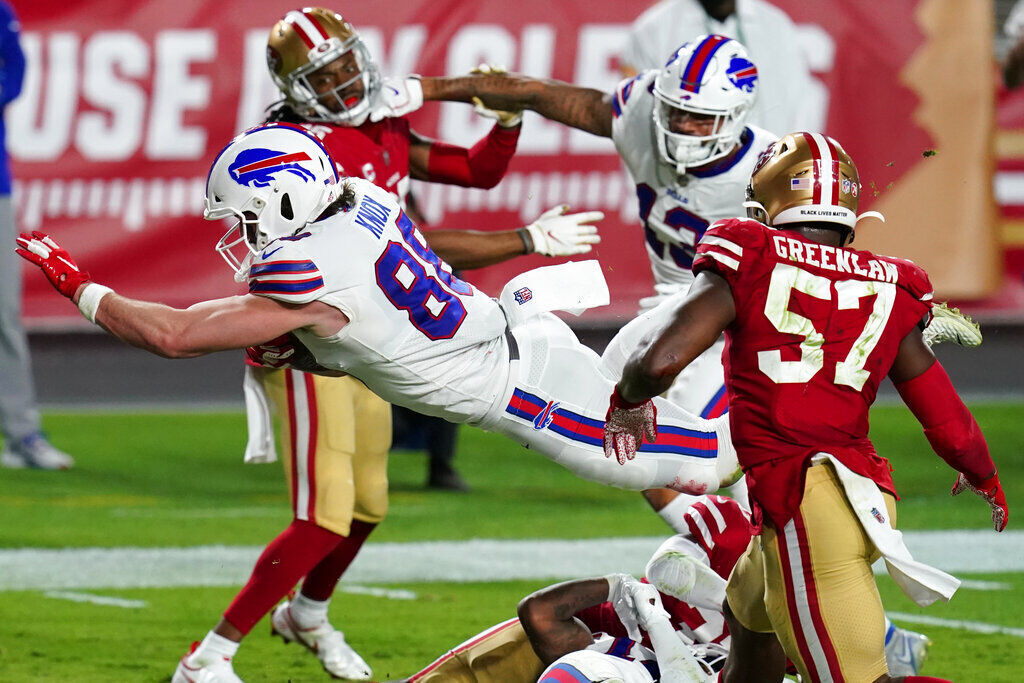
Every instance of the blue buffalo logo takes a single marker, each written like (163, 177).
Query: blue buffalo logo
(545, 416)
(257, 167)
(742, 73)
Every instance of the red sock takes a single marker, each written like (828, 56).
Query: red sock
(924, 679)
(287, 559)
(323, 578)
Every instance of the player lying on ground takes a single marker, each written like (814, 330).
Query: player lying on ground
(366, 297)
(813, 327)
(690, 571)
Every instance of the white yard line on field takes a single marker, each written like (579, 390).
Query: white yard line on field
(96, 599)
(970, 552)
(974, 626)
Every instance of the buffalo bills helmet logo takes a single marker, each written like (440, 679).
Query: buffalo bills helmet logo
(257, 167)
(742, 73)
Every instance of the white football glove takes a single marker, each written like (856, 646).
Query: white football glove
(557, 233)
(505, 119)
(662, 291)
(620, 595)
(646, 603)
(397, 97)
(950, 325)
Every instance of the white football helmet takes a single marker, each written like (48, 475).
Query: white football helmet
(596, 667)
(709, 76)
(274, 179)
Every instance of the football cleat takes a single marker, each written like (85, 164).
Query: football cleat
(905, 651)
(950, 325)
(35, 452)
(323, 640)
(199, 669)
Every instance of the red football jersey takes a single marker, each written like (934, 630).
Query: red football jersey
(378, 152)
(816, 331)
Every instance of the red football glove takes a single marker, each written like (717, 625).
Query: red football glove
(626, 425)
(274, 353)
(59, 268)
(992, 492)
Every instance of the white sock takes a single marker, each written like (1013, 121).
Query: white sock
(308, 612)
(673, 512)
(215, 645)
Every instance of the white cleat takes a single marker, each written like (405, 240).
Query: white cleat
(35, 452)
(950, 325)
(209, 669)
(905, 651)
(323, 640)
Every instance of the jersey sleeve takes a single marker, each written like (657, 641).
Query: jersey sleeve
(283, 271)
(729, 247)
(632, 100)
(722, 528)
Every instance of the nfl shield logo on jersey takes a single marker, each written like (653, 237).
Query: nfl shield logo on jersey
(878, 515)
(522, 295)
(742, 73)
(257, 167)
(545, 416)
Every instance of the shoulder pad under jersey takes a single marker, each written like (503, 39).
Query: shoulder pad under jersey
(284, 271)
(727, 243)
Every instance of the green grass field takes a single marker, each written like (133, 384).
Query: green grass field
(178, 480)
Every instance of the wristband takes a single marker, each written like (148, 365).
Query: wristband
(89, 301)
(524, 235)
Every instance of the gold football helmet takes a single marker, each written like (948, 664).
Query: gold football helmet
(805, 178)
(322, 66)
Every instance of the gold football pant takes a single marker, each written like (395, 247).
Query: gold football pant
(501, 654)
(811, 583)
(336, 434)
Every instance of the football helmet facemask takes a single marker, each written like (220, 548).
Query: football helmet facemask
(710, 76)
(805, 178)
(310, 39)
(274, 180)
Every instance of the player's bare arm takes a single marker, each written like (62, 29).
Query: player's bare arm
(548, 617)
(588, 109)
(696, 325)
(217, 325)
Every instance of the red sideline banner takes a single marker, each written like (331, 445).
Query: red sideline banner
(126, 103)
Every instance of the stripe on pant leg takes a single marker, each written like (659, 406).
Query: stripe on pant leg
(801, 593)
(299, 417)
(289, 387)
(313, 411)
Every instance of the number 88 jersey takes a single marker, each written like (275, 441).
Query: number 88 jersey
(817, 328)
(417, 335)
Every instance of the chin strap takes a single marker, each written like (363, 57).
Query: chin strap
(869, 214)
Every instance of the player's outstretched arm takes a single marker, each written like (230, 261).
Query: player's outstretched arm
(698, 322)
(217, 325)
(950, 428)
(547, 616)
(584, 108)
(554, 233)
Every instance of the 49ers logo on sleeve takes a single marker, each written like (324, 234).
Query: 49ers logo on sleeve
(257, 167)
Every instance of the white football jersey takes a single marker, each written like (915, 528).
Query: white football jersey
(676, 211)
(418, 336)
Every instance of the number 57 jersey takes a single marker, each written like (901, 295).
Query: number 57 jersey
(817, 329)
(418, 336)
